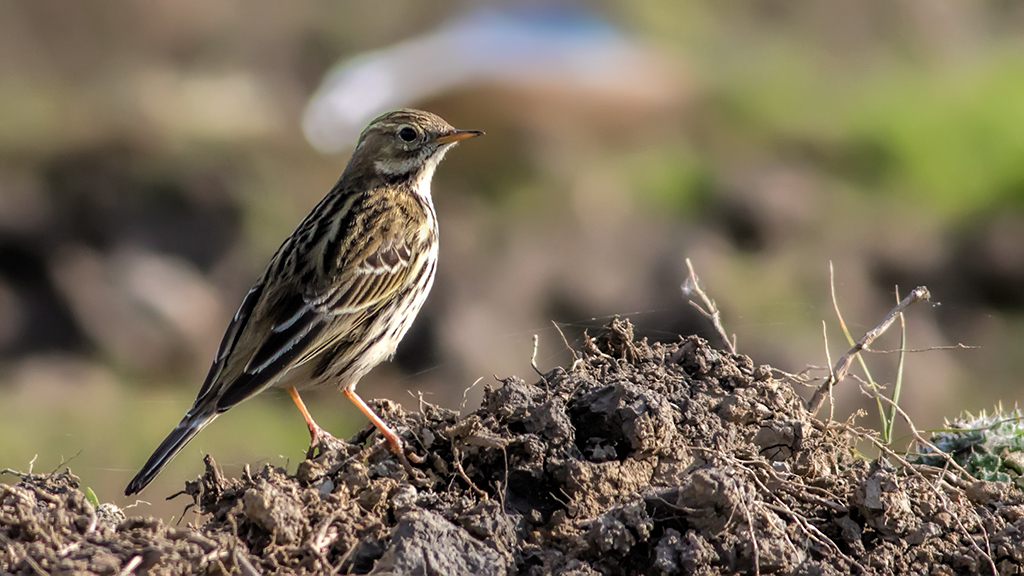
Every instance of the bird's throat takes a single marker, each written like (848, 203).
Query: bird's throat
(416, 173)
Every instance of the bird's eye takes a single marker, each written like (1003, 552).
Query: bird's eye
(407, 133)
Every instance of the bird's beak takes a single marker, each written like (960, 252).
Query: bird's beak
(457, 135)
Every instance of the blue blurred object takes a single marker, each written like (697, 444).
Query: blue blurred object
(536, 46)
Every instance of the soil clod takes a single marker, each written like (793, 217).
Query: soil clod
(640, 458)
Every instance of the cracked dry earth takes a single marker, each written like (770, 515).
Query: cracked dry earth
(640, 458)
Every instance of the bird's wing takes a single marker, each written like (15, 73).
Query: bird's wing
(234, 331)
(289, 324)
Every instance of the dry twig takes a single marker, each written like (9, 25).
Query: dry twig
(842, 366)
(575, 357)
(710, 309)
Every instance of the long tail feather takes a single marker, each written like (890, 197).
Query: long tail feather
(185, 430)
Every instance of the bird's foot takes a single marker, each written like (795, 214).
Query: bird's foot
(394, 443)
(390, 437)
(416, 476)
(321, 441)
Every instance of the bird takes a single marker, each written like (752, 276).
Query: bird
(340, 292)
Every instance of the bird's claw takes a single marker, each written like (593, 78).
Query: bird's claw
(323, 443)
(396, 447)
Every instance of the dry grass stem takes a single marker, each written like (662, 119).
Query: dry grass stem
(710, 309)
(842, 366)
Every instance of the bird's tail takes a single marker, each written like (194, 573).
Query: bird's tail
(189, 426)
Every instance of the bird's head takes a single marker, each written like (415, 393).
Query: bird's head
(406, 144)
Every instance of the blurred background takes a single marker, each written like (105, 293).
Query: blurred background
(153, 156)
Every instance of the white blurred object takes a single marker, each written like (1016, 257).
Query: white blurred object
(558, 48)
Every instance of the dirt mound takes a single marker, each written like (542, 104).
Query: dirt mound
(640, 458)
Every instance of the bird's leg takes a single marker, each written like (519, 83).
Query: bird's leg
(313, 427)
(318, 437)
(394, 442)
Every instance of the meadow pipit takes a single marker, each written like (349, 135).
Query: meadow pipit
(342, 289)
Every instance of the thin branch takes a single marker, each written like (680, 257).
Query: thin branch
(842, 366)
(465, 393)
(575, 357)
(710, 309)
(957, 346)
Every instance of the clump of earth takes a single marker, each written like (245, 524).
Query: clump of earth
(639, 458)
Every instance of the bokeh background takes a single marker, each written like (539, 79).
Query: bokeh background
(153, 156)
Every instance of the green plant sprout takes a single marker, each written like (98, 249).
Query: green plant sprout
(989, 446)
(91, 497)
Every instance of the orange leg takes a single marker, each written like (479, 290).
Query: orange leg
(319, 437)
(394, 442)
(314, 430)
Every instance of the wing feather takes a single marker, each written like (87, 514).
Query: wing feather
(285, 325)
(377, 279)
(230, 339)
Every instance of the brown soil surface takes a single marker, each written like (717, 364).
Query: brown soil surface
(641, 458)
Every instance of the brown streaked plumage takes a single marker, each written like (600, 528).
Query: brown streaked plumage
(341, 291)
